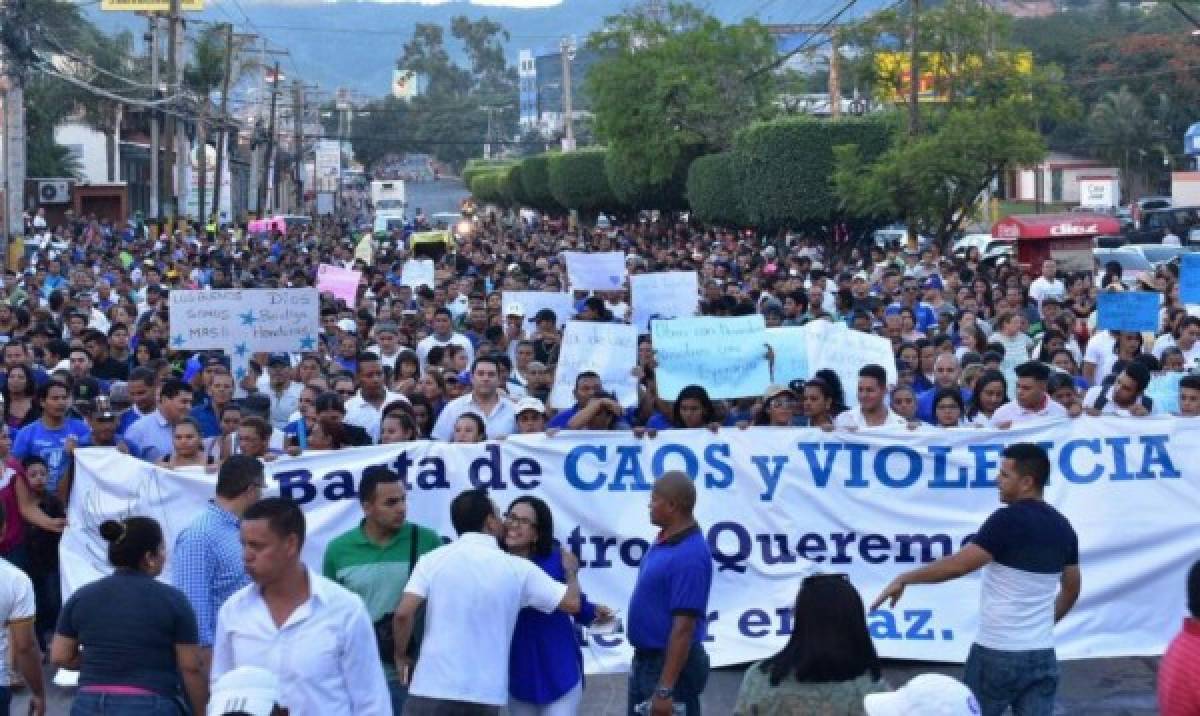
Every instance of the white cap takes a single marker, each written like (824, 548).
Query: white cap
(515, 309)
(925, 695)
(529, 403)
(246, 689)
(348, 325)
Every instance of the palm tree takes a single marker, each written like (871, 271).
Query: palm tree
(1128, 135)
(202, 76)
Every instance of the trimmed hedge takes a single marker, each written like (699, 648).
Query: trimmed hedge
(578, 181)
(475, 167)
(487, 187)
(787, 166)
(711, 189)
(535, 182)
(633, 192)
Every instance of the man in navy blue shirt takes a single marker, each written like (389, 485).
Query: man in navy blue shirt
(668, 611)
(1029, 554)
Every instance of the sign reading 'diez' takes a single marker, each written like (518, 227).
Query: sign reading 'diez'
(244, 321)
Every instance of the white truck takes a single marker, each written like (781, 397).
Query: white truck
(388, 198)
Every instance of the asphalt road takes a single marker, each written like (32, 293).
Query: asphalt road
(1096, 687)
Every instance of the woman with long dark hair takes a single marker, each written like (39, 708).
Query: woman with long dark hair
(545, 663)
(20, 398)
(991, 391)
(818, 404)
(829, 662)
(130, 636)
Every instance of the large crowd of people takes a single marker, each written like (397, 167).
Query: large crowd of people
(87, 361)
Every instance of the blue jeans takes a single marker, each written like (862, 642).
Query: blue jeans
(648, 666)
(86, 704)
(399, 693)
(1025, 680)
(5, 699)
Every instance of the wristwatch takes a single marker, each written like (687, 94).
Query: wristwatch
(663, 692)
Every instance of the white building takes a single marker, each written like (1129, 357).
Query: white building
(1055, 180)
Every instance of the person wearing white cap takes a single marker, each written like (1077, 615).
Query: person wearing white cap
(248, 690)
(924, 695)
(531, 416)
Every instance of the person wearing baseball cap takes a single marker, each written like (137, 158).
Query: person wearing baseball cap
(924, 695)
(531, 416)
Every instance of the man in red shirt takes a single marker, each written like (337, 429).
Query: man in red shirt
(1179, 672)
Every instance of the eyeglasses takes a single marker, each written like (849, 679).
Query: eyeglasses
(519, 521)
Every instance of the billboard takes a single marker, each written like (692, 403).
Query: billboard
(329, 165)
(150, 5)
(894, 72)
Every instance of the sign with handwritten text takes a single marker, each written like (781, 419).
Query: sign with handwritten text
(601, 271)
(664, 295)
(1127, 310)
(561, 302)
(608, 349)
(418, 272)
(728, 356)
(341, 282)
(1189, 278)
(244, 321)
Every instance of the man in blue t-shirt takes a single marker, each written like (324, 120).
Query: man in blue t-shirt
(668, 611)
(1029, 554)
(53, 436)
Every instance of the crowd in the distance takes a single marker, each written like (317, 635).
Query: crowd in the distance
(88, 361)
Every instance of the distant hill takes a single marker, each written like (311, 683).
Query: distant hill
(355, 44)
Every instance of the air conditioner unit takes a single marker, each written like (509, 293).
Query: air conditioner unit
(54, 191)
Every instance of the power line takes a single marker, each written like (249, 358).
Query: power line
(778, 61)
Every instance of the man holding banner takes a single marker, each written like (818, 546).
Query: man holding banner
(1029, 555)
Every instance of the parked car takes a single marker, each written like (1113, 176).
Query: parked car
(890, 235)
(1133, 265)
(1115, 241)
(1139, 207)
(1155, 224)
(968, 241)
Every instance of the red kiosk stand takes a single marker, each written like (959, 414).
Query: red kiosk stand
(1066, 238)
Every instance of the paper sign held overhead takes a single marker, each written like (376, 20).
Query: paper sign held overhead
(1127, 310)
(608, 349)
(602, 271)
(666, 295)
(728, 356)
(341, 282)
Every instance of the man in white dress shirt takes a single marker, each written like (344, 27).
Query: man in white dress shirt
(475, 591)
(1032, 403)
(312, 633)
(484, 400)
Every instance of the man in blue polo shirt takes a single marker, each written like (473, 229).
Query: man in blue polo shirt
(668, 612)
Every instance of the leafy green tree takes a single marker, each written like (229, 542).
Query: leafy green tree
(202, 76)
(535, 181)
(676, 87)
(785, 166)
(1126, 133)
(987, 122)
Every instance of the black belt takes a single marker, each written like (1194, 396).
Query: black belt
(639, 653)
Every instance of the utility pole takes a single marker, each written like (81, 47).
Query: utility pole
(914, 95)
(914, 90)
(174, 126)
(835, 76)
(267, 164)
(298, 139)
(155, 121)
(567, 47)
(222, 136)
(13, 145)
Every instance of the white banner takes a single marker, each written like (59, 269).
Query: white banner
(666, 295)
(776, 505)
(608, 349)
(600, 271)
(245, 320)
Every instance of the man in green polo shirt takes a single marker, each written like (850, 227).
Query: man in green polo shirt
(375, 559)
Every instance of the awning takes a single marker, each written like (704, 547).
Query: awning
(1055, 226)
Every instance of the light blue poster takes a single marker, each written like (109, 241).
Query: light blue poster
(728, 356)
